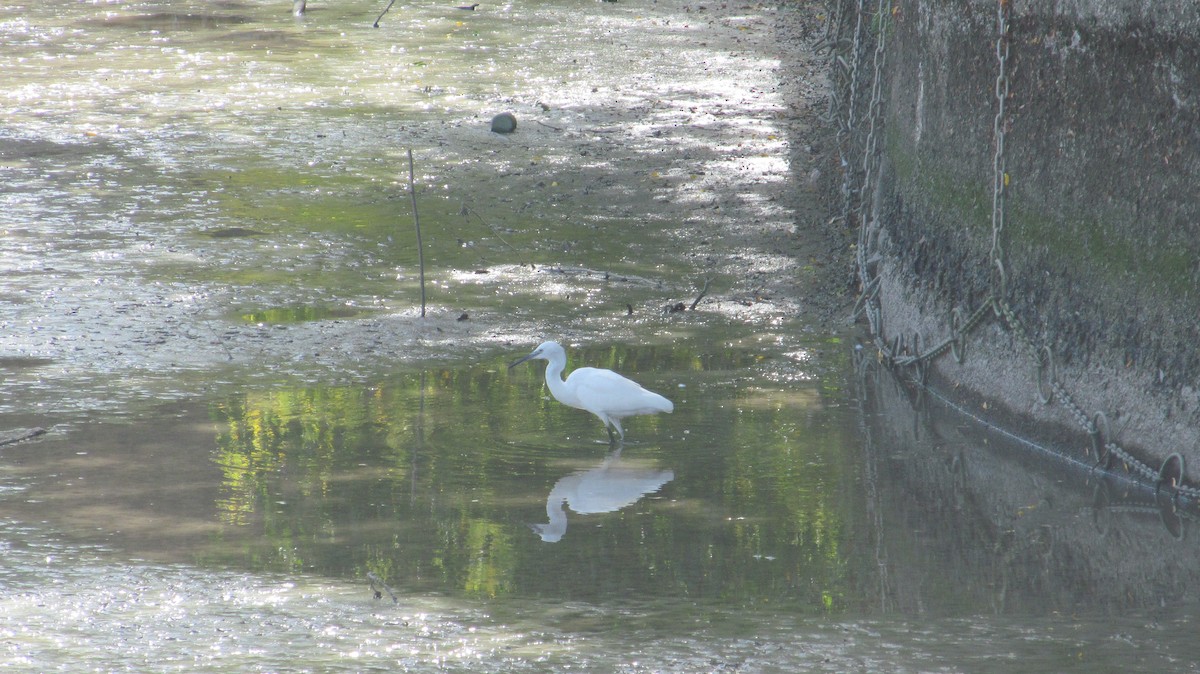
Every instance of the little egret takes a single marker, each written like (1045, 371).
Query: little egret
(604, 393)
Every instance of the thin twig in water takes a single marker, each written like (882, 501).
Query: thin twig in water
(467, 210)
(385, 11)
(412, 191)
(13, 437)
(703, 292)
(377, 584)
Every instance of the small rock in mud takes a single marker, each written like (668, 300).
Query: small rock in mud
(504, 122)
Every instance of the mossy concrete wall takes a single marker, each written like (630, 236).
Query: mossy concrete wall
(1101, 236)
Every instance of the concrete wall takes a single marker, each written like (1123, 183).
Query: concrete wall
(1101, 241)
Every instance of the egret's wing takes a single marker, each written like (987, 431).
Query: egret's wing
(608, 392)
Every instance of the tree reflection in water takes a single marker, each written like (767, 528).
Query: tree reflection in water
(430, 480)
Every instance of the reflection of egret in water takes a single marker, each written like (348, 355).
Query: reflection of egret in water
(603, 489)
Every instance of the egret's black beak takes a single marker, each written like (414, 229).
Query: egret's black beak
(525, 358)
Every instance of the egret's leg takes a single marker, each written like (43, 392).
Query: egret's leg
(617, 425)
(606, 421)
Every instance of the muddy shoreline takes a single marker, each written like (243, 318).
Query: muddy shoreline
(752, 226)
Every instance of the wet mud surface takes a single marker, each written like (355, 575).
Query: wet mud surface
(147, 258)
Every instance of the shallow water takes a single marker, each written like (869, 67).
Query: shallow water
(210, 285)
(782, 518)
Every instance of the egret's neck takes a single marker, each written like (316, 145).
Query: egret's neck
(554, 380)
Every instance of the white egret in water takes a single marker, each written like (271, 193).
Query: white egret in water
(604, 393)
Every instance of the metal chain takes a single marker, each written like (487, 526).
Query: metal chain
(999, 123)
(899, 353)
(851, 102)
(868, 233)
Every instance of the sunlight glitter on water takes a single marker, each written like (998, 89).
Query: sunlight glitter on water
(67, 612)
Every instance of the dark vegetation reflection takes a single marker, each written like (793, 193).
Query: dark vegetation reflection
(971, 519)
(434, 481)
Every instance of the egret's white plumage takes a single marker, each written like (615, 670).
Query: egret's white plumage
(604, 393)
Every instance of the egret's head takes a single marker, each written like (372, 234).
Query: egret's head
(545, 351)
